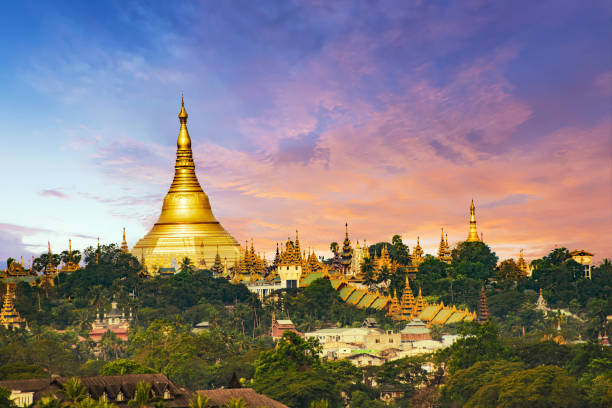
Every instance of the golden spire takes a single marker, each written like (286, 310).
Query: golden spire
(49, 244)
(70, 247)
(124, 246)
(473, 235)
(186, 217)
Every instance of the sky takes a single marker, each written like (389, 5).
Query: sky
(388, 115)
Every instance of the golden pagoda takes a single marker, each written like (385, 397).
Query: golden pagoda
(186, 220)
(417, 254)
(444, 252)
(473, 235)
(69, 265)
(124, 245)
(9, 316)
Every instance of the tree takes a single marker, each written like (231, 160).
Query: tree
(186, 266)
(474, 259)
(49, 401)
(5, 399)
(124, 366)
(405, 374)
(199, 401)
(401, 254)
(508, 271)
(73, 391)
(334, 248)
(367, 271)
(9, 261)
(142, 395)
(235, 403)
(320, 404)
(543, 386)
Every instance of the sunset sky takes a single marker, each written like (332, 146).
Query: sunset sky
(390, 116)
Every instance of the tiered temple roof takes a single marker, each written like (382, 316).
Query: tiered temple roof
(483, 306)
(522, 264)
(444, 252)
(250, 266)
(346, 255)
(417, 254)
(473, 234)
(9, 316)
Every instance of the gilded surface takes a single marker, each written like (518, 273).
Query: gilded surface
(186, 226)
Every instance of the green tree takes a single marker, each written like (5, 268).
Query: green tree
(236, 403)
(334, 248)
(368, 271)
(474, 260)
(543, 386)
(320, 404)
(5, 399)
(508, 271)
(199, 401)
(142, 395)
(49, 401)
(186, 266)
(406, 374)
(73, 391)
(124, 366)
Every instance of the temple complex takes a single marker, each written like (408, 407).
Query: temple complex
(473, 234)
(186, 223)
(9, 316)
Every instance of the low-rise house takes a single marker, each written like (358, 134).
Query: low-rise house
(281, 326)
(218, 398)
(118, 389)
(415, 330)
(366, 359)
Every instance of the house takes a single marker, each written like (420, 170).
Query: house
(218, 398)
(366, 359)
(114, 321)
(415, 330)
(281, 326)
(118, 389)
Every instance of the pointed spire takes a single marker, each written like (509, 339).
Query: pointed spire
(49, 245)
(473, 234)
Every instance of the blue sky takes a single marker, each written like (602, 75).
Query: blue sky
(388, 115)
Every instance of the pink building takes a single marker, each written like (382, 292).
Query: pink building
(115, 321)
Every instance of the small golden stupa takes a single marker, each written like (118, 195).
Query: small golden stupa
(186, 226)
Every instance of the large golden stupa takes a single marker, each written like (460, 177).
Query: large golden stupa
(186, 226)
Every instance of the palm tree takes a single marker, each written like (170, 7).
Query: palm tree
(199, 401)
(367, 272)
(236, 403)
(49, 401)
(142, 396)
(334, 248)
(73, 391)
(186, 266)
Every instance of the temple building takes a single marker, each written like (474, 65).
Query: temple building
(346, 255)
(585, 259)
(124, 245)
(114, 321)
(249, 267)
(186, 221)
(70, 264)
(360, 253)
(417, 257)
(522, 264)
(473, 234)
(9, 316)
(444, 252)
(483, 306)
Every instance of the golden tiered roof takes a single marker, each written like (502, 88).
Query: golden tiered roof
(250, 267)
(522, 264)
(69, 265)
(407, 303)
(417, 254)
(50, 268)
(186, 218)
(124, 246)
(444, 252)
(9, 316)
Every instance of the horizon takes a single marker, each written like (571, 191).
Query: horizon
(309, 116)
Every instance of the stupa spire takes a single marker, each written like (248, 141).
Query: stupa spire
(186, 214)
(473, 234)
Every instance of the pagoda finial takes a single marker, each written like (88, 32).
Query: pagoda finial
(49, 245)
(70, 246)
(124, 233)
(473, 234)
(346, 229)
